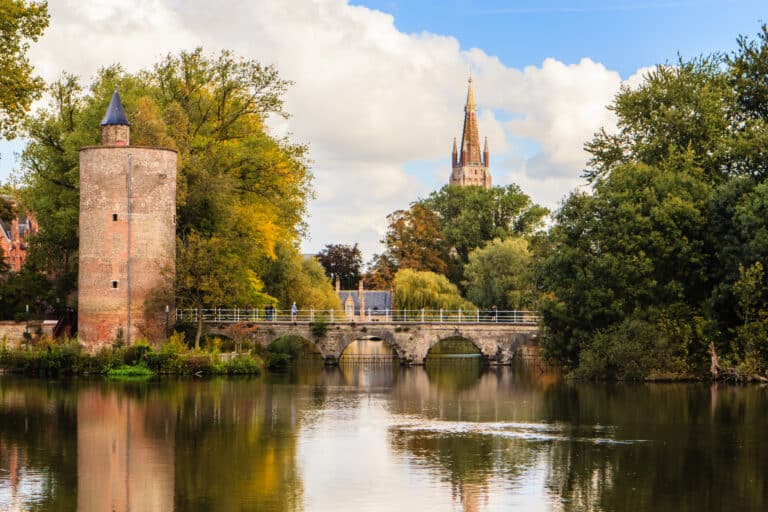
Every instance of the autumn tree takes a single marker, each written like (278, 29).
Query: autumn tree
(237, 186)
(21, 22)
(414, 240)
(342, 262)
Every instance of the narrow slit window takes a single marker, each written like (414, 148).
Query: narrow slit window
(114, 217)
(114, 284)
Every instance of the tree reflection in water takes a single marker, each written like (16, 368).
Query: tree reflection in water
(461, 436)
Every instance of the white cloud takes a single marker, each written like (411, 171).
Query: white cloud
(369, 99)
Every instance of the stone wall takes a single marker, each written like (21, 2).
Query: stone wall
(14, 331)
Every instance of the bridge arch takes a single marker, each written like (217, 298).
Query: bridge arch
(369, 349)
(455, 344)
(296, 346)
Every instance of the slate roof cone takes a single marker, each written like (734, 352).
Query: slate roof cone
(115, 115)
(115, 128)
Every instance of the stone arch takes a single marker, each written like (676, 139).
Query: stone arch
(367, 345)
(296, 342)
(437, 340)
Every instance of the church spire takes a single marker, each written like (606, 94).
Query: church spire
(470, 139)
(470, 167)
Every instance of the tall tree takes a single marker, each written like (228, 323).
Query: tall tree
(468, 217)
(414, 240)
(290, 277)
(21, 22)
(342, 262)
(501, 274)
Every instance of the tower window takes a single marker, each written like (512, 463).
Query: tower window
(114, 284)
(114, 217)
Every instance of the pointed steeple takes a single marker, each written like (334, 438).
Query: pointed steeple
(115, 115)
(470, 96)
(470, 139)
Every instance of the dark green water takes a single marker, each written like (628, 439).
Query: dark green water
(374, 437)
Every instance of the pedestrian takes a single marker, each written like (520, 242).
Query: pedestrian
(269, 311)
(293, 312)
(494, 313)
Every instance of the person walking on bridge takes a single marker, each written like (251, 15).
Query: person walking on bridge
(293, 312)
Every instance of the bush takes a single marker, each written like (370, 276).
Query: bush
(632, 350)
(318, 328)
(245, 364)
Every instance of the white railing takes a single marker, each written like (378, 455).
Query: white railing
(450, 316)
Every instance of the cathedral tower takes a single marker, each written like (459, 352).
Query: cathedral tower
(127, 234)
(469, 168)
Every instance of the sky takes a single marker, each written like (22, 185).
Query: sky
(379, 85)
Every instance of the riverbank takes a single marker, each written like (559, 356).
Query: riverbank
(47, 358)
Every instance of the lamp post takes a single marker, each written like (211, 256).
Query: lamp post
(167, 316)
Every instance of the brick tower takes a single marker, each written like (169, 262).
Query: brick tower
(127, 234)
(469, 168)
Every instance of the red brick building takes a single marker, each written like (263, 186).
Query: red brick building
(13, 237)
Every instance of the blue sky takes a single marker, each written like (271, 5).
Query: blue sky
(379, 85)
(621, 34)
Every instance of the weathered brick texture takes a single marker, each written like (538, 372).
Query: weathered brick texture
(103, 287)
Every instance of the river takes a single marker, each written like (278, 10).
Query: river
(374, 437)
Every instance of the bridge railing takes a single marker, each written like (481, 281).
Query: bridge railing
(453, 316)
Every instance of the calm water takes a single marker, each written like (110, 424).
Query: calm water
(373, 437)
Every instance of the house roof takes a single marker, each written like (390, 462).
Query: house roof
(375, 300)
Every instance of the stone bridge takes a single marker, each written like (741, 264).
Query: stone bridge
(498, 342)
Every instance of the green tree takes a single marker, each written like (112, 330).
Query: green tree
(468, 217)
(292, 278)
(685, 109)
(751, 351)
(21, 22)
(342, 262)
(210, 274)
(418, 289)
(501, 273)
(633, 248)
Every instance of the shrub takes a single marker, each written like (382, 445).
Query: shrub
(632, 350)
(318, 328)
(245, 364)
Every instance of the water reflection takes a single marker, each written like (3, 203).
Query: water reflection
(445, 437)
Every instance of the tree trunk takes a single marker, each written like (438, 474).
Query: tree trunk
(714, 367)
(199, 332)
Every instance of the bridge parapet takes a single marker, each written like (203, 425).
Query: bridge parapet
(422, 316)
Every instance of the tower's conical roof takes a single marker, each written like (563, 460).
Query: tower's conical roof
(115, 113)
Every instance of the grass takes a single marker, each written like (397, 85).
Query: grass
(125, 372)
